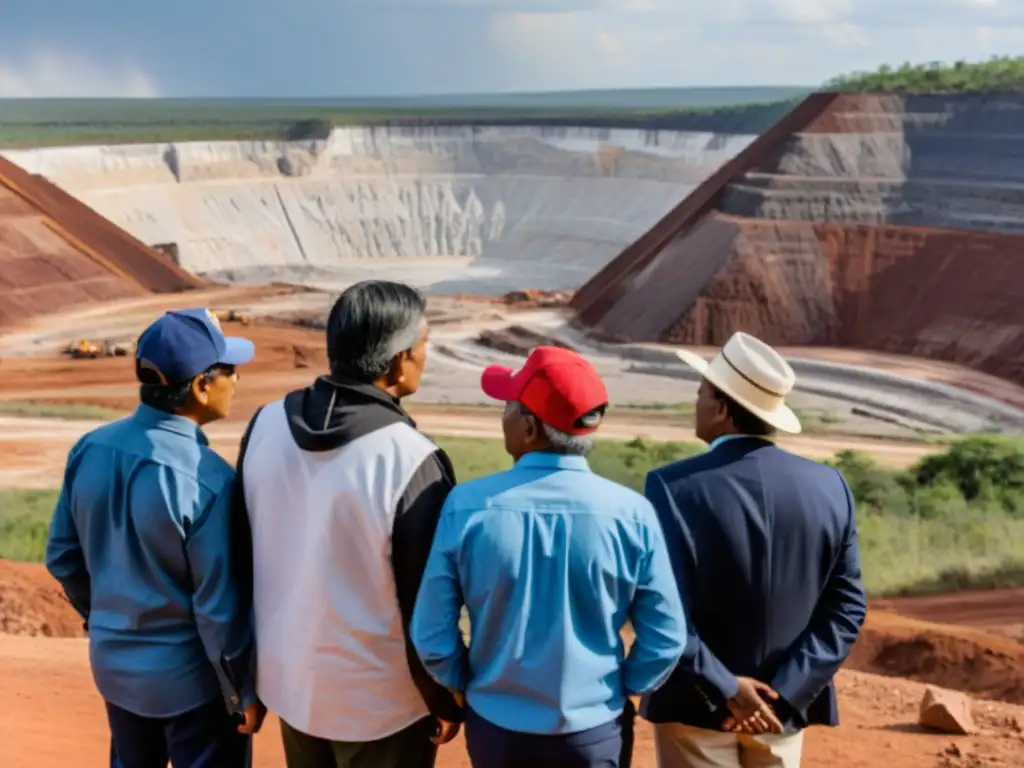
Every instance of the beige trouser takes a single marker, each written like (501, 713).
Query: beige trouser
(681, 746)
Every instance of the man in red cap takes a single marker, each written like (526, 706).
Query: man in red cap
(550, 561)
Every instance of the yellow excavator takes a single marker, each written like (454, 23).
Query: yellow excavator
(84, 349)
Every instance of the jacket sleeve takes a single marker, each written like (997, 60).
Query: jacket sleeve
(65, 559)
(416, 521)
(822, 648)
(697, 659)
(241, 530)
(222, 617)
(657, 618)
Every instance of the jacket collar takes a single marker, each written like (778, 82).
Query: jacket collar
(366, 393)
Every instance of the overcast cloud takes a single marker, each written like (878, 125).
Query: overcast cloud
(308, 48)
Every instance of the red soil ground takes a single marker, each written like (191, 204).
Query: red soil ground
(54, 717)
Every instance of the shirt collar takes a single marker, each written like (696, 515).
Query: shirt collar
(548, 460)
(170, 422)
(723, 439)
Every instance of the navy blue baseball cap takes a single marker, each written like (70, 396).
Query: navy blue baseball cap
(184, 343)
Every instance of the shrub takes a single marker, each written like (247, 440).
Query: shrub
(987, 469)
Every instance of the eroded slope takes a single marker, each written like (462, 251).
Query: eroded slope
(56, 253)
(454, 209)
(893, 223)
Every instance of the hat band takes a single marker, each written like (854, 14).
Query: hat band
(747, 379)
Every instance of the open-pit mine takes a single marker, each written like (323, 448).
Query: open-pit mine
(875, 239)
(857, 230)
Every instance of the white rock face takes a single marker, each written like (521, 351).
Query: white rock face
(454, 209)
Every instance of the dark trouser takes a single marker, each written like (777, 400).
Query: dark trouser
(607, 746)
(205, 737)
(409, 748)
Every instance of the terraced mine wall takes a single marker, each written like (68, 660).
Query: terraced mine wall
(893, 223)
(57, 253)
(454, 209)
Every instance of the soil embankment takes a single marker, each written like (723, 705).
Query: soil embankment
(56, 253)
(890, 223)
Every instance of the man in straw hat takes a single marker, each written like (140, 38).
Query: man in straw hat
(764, 548)
(550, 559)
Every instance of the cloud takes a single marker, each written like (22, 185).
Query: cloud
(650, 43)
(403, 47)
(52, 74)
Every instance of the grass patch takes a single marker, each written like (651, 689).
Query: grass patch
(25, 523)
(625, 462)
(953, 521)
(71, 411)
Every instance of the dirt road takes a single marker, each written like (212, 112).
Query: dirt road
(33, 450)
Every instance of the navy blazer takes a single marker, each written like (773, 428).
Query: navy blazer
(764, 548)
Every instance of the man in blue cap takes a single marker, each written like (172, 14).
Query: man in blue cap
(142, 542)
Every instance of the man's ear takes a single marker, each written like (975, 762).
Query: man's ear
(721, 411)
(532, 429)
(395, 375)
(201, 389)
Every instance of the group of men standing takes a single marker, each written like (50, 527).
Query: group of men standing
(326, 577)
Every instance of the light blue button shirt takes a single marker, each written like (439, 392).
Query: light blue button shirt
(550, 560)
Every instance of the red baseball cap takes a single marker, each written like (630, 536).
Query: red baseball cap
(557, 385)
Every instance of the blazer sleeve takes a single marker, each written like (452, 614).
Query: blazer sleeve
(697, 658)
(815, 657)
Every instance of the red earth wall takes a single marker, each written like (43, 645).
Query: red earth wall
(957, 295)
(55, 252)
(865, 287)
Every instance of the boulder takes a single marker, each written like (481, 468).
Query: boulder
(946, 711)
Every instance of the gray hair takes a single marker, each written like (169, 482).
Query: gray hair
(370, 324)
(563, 442)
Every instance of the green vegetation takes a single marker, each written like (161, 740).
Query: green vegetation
(1001, 73)
(954, 520)
(54, 122)
(48, 122)
(24, 523)
(70, 411)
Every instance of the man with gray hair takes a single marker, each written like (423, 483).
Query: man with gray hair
(342, 494)
(550, 560)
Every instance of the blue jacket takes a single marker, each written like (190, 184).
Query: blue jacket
(141, 541)
(550, 560)
(764, 547)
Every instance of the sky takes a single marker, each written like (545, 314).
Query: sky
(311, 48)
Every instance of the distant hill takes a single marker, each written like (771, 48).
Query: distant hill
(632, 98)
(732, 110)
(48, 122)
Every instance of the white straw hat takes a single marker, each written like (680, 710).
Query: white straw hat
(754, 375)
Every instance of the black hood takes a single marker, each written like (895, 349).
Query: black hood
(333, 412)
